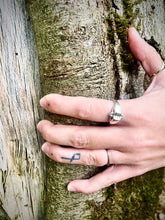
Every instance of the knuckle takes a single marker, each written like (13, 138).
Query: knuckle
(84, 111)
(79, 139)
(138, 159)
(91, 159)
(135, 142)
(88, 187)
(138, 140)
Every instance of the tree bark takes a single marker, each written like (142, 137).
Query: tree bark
(83, 50)
(21, 162)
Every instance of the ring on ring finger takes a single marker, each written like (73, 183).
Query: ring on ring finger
(108, 158)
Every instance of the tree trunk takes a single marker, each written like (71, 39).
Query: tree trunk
(21, 163)
(83, 50)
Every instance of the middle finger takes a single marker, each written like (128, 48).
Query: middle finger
(89, 137)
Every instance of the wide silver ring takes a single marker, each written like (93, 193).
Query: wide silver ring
(116, 114)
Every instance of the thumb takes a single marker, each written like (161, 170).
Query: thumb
(142, 51)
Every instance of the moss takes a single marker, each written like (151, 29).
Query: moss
(3, 214)
(135, 198)
(122, 24)
(3, 218)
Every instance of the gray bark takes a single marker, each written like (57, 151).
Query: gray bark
(21, 163)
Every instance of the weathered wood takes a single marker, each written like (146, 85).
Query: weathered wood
(21, 163)
(77, 58)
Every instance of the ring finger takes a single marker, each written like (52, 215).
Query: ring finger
(84, 156)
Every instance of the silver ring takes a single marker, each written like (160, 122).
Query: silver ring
(116, 114)
(108, 158)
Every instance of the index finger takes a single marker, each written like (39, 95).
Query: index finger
(92, 109)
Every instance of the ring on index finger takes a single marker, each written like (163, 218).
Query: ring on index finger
(116, 114)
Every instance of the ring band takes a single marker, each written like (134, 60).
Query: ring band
(162, 68)
(108, 158)
(116, 114)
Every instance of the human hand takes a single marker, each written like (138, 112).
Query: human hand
(135, 145)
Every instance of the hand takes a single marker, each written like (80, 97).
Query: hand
(135, 145)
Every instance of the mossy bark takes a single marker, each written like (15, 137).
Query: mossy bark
(77, 57)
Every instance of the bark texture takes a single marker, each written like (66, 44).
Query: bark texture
(21, 163)
(83, 50)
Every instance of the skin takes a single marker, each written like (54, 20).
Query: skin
(135, 145)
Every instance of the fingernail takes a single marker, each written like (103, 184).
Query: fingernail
(45, 148)
(43, 102)
(39, 126)
(71, 189)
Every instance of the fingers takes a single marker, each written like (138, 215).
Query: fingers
(113, 174)
(92, 109)
(84, 156)
(79, 107)
(98, 109)
(142, 51)
(74, 156)
(88, 137)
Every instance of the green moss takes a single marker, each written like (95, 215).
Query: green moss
(122, 24)
(3, 214)
(3, 218)
(135, 198)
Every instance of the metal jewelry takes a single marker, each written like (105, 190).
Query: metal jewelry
(162, 68)
(116, 114)
(108, 158)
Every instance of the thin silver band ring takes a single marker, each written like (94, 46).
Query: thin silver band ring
(162, 68)
(108, 158)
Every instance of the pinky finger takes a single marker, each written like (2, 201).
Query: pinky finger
(113, 174)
